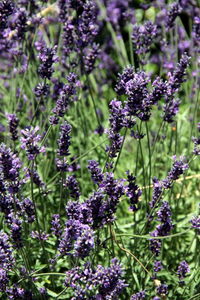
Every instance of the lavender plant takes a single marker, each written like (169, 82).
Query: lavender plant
(99, 149)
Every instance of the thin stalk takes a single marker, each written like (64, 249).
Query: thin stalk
(130, 253)
(119, 154)
(94, 104)
(35, 209)
(149, 148)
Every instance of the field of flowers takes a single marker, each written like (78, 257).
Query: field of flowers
(99, 146)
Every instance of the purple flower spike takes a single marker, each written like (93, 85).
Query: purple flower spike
(90, 58)
(195, 221)
(29, 142)
(3, 280)
(47, 58)
(133, 191)
(73, 187)
(183, 270)
(174, 11)
(157, 266)
(143, 37)
(157, 192)
(13, 122)
(162, 289)
(56, 226)
(139, 296)
(96, 172)
(64, 140)
(178, 168)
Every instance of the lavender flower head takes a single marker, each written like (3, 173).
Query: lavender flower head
(96, 283)
(115, 143)
(56, 226)
(170, 110)
(162, 289)
(163, 229)
(6, 9)
(29, 142)
(67, 95)
(133, 191)
(195, 221)
(64, 140)
(16, 230)
(143, 36)
(41, 236)
(18, 23)
(9, 164)
(47, 58)
(13, 122)
(139, 296)
(196, 141)
(155, 246)
(178, 168)
(42, 90)
(78, 237)
(117, 11)
(183, 270)
(68, 37)
(85, 242)
(123, 78)
(87, 26)
(96, 172)
(33, 174)
(81, 280)
(196, 30)
(6, 255)
(119, 116)
(72, 185)
(134, 85)
(157, 266)
(164, 213)
(110, 280)
(157, 192)
(177, 77)
(174, 11)
(28, 208)
(90, 58)
(3, 280)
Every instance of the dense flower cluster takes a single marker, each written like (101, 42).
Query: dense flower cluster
(78, 237)
(141, 99)
(106, 283)
(143, 37)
